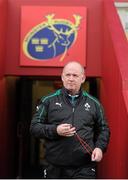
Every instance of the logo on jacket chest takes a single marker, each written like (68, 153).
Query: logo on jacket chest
(87, 106)
(58, 104)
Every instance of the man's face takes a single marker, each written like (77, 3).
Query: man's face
(73, 77)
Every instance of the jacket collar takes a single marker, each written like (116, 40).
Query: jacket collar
(67, 93)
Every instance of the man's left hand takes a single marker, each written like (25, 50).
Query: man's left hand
(97, 155)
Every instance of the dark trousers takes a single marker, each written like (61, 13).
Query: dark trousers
(65, 172)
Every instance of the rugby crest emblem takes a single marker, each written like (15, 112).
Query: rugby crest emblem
(51, 41)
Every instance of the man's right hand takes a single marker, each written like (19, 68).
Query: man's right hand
(66, 130)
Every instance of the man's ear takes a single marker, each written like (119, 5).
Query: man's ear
(62, 77)
(83, 78)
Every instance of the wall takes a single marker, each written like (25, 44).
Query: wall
(114, 88)
(3, 22)
(94, 37)
(3, 120)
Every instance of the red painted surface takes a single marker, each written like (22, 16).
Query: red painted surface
(3, 112)
(3, 23)
(3, 130)
(114, 94)
(94, 31)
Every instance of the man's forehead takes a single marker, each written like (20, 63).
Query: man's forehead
(73, 67)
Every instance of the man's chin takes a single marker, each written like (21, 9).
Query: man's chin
(70, 90)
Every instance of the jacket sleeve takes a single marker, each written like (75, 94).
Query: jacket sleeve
(102, 130)
(39, 126)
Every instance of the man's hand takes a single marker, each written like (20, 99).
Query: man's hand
(66, 130)
(97, 155)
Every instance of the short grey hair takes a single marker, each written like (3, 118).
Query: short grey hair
(76, 62)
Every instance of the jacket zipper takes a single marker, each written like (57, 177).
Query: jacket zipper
(73, 110)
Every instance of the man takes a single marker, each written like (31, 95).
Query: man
(74, 127)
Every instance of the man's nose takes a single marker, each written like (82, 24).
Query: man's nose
(71, 78)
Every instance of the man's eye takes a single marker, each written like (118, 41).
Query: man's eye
(68, 75)
(75, 75)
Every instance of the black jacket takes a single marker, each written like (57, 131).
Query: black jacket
(86, 115)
